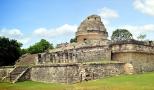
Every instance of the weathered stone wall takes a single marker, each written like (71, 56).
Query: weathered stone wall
(4, 71)
(139, 54)
(142, 62)
(72, 73)
(77, 55)
(91, 36)
(62, 73)
(93, 54)
(132, 48)
(100, 70)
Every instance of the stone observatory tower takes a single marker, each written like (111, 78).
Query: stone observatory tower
(91, 29)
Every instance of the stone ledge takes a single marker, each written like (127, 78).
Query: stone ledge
(77, 64)
(132, 51)
(77, 48)
(57, 65)
(7, 67)
(132, 41)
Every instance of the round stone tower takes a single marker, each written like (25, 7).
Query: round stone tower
(91, 29)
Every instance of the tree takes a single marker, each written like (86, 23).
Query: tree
(141, 37)
(40, 47)
(24, 51)
(10, 51)
(73, 40)
(121, 34)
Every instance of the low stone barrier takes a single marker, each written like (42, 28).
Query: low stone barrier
(73, 73)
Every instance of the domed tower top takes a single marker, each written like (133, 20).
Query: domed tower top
(91, 29)
(92, 22)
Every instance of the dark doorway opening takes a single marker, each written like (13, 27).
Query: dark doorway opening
(84, 39)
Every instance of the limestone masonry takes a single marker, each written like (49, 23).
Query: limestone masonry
(93, 56)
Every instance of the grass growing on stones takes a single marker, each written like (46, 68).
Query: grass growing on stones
(123, 82)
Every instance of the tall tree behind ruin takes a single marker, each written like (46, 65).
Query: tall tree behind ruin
(40, 47)
(10, 51)
(141, 37)
(121, 34)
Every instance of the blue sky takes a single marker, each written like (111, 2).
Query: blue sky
(57, 20)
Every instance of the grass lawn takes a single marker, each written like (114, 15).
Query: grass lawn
(123, 82)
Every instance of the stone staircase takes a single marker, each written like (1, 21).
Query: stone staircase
(17, 73)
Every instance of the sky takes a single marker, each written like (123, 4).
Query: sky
(28, 21)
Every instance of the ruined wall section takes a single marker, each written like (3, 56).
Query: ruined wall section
(93, 54)
(77, 55)
(100, 70)
(140, 54)
(5, 71)
(55, 73)
(73, 73)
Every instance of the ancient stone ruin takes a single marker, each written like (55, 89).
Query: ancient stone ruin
(92, 30)
(93, 56)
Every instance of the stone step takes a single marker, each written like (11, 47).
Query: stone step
(17, 73)
(19, 69)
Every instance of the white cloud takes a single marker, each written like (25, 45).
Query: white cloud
(107, 14)
(12, 33)
(145, 6)
(62, 33)
(63, 30)
(141, 29)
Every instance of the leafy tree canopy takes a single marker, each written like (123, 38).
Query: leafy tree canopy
(10, 51)
(39, 47)
(121, 34)
(141, 37)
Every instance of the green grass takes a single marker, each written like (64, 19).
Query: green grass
(123, 82)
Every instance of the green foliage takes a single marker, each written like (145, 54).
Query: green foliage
(141, 37)
(39, 47)
(121, 34)
(122, 82)
(24, 51)
(73, 40)
(10, 51)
